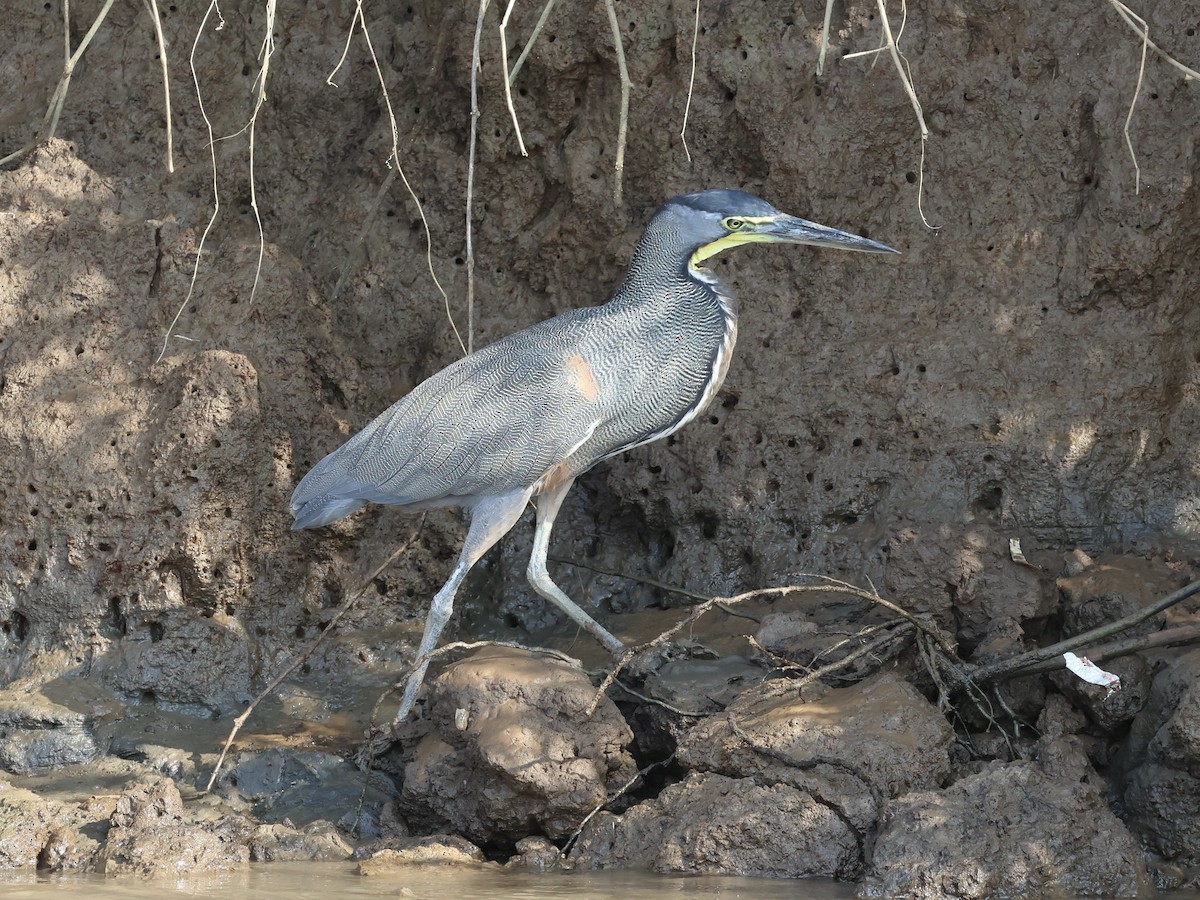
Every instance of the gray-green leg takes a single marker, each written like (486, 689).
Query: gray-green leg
(548, 505)
(491, 519)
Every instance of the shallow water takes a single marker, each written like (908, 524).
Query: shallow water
(335, 881)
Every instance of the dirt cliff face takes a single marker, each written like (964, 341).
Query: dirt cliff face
(1027, 368)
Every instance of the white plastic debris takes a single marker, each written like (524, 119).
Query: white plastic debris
(1092, 673)
(1018, 556)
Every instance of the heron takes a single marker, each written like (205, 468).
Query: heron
(521, 419)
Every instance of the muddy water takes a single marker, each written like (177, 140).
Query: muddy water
(327, 881)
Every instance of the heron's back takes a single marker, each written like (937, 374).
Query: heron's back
(566, 392)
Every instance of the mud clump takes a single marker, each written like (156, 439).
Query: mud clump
(510, 750)
(1011, 830)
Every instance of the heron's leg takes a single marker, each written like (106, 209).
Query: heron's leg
(547, 509)
(491, 519)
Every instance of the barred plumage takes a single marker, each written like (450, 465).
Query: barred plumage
(526, 415)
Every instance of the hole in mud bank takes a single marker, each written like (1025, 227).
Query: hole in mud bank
(116, 619)
(148, 696)
(990, 497)
(709, 524)
(157, 631)
(381, 587)
(17, 625)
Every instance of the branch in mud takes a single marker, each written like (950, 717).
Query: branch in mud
(826, 584)
(1048, 659)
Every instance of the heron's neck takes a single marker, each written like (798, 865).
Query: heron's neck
(674, 287)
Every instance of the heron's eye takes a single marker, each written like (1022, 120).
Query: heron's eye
(733, 224)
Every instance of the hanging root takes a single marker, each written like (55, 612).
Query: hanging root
(626, 85)
(59, 97)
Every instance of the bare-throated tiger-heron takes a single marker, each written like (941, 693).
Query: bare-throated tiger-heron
(526, 416)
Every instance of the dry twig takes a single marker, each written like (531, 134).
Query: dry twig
(212, 153)
(152, 7)
(1138, 24)
(891, 43)
(512, 111)
(394, 167)
(59, 97)
(620, 792)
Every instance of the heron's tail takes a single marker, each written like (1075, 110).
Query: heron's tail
(324, 509)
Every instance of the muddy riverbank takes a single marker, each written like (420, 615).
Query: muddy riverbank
(1025, 371)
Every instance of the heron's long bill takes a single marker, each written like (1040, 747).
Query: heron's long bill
(793, 230)
(785, 229)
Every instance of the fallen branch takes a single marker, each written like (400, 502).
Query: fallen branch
(903, 630)
(1025, 662)
(827, 585)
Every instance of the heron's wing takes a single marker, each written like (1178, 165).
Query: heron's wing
(496, 420)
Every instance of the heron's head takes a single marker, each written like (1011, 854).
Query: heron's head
(703, 224)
